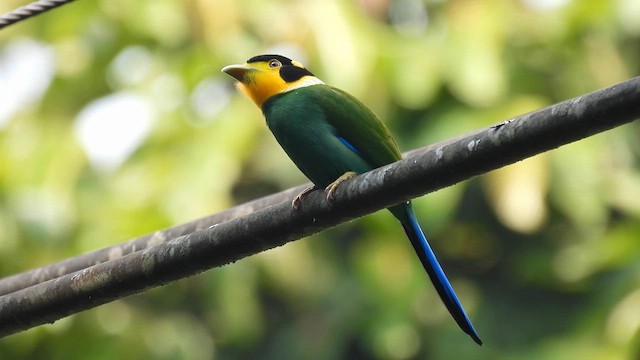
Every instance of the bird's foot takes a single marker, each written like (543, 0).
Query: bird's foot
(295, 203)
(331, 189)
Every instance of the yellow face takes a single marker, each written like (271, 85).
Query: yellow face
(266, 75)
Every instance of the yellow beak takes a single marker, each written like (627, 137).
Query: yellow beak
(238, 71)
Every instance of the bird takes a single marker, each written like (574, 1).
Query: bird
(331, 136)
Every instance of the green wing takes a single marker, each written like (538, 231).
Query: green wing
(327, 132)
(358, 125)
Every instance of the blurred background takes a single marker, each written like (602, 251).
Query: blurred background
(115, 121)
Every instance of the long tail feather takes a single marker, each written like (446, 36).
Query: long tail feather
(419, 241)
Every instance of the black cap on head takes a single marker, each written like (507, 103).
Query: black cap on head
(267, 57)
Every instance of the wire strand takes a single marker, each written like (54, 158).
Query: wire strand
(30, 10)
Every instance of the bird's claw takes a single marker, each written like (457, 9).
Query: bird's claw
(331, 189)
(295, 203)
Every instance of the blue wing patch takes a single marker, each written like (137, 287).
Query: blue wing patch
(350, 146)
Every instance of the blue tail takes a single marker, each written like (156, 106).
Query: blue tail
(404, 213)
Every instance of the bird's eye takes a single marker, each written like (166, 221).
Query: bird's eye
(274, 63)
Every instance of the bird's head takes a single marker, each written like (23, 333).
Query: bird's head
(264, 76)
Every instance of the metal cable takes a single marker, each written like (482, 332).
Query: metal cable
(27, 11)
(260, 227)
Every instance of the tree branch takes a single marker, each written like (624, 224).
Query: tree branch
(428, 169)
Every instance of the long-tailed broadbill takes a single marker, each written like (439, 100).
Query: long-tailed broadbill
(332, 136)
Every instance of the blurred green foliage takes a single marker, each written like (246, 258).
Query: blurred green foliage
(115, 121)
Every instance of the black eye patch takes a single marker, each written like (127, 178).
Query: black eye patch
(291, 73)
(288, 71)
